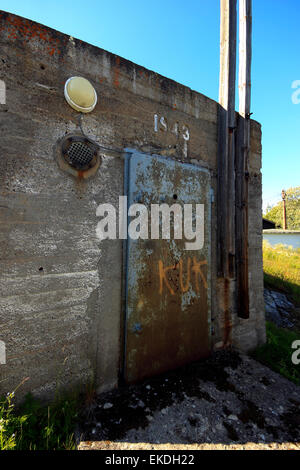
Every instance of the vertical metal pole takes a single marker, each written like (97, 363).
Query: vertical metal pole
(226, 140)
(242, 156)
(283, 194)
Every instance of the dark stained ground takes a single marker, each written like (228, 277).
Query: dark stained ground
(225, 399)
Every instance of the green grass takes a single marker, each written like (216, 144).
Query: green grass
(34, 426)
(277, 352)
(282, 272)
(282, 269)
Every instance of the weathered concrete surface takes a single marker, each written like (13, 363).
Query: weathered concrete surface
(60, 308)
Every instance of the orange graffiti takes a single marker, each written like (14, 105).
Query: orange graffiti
(196, 269)
(162, 276)
(187, 285)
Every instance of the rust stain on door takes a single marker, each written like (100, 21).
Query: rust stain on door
(167, 286)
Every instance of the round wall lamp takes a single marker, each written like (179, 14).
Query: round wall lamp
(80, 94)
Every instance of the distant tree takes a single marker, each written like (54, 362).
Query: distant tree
(292, 210)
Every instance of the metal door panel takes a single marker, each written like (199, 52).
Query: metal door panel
(167, 320)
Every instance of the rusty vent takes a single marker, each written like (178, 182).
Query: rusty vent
(79, 152)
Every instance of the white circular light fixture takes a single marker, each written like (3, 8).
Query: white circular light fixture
(80, 94)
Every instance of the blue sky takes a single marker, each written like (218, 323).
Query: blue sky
(180, 40)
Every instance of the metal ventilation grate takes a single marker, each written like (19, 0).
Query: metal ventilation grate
(79, 152)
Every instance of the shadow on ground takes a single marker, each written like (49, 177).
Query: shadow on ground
(225, 399)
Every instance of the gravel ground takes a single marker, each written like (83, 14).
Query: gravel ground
(228, 401)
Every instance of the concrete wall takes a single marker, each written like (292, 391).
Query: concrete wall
(61, 300)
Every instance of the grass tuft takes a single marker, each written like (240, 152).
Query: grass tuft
(277, 352)
(34, 426)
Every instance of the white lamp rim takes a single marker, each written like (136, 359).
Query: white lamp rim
(73, 104)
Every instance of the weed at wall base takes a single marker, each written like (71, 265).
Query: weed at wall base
(34, 426)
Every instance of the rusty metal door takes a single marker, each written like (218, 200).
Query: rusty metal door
(167, 314)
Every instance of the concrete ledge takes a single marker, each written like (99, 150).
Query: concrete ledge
(108, 445)
(291, 232)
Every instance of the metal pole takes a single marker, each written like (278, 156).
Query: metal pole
(226, 140)
(242, 157)
(283, 194)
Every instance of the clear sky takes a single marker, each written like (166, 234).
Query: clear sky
(180, 40)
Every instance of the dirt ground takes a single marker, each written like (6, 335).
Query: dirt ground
(228, 401)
